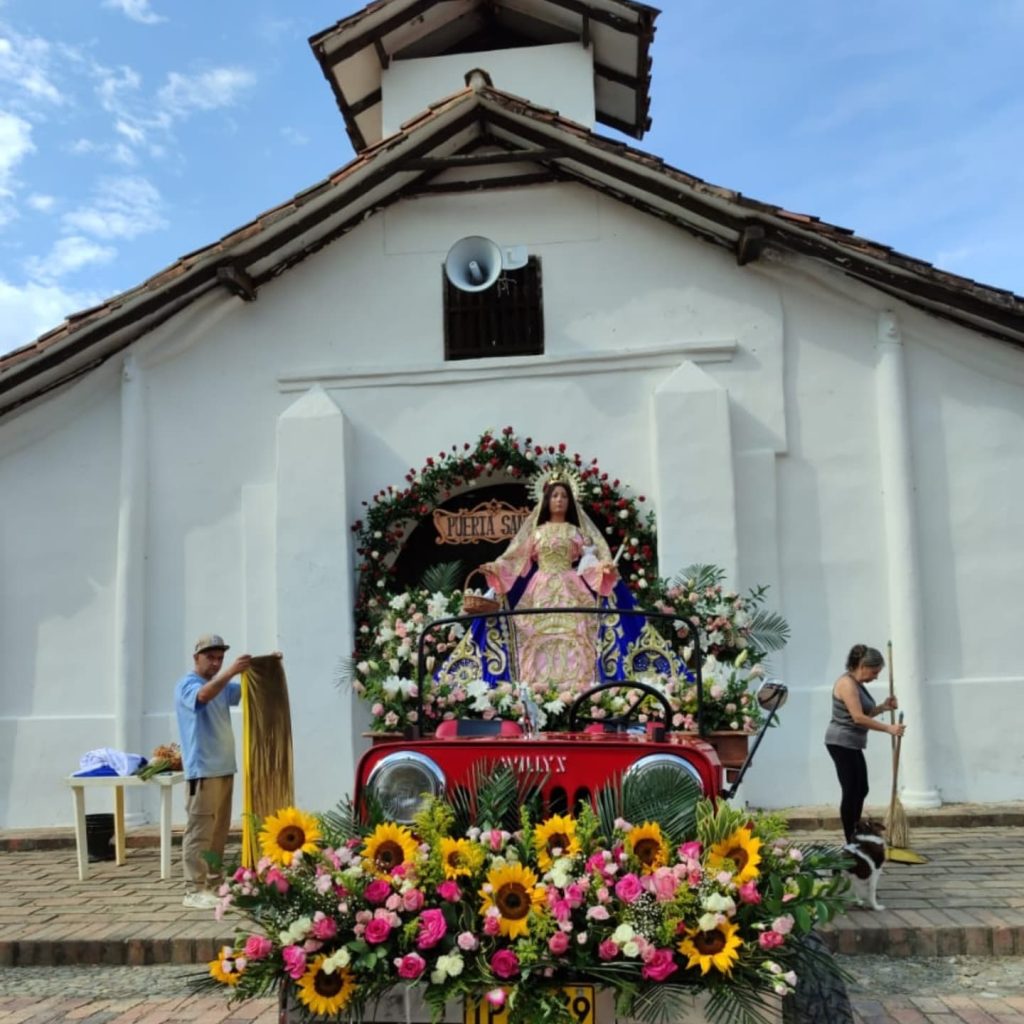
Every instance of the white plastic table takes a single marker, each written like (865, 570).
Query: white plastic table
(80, 783)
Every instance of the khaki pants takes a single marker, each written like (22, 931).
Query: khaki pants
(208, 803)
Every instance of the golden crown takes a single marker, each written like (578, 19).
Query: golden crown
(561, 474)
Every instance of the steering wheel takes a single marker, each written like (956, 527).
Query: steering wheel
(576, 717)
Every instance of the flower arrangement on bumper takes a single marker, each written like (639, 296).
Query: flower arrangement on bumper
(653, 910)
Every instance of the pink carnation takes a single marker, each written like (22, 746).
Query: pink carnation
(770, 939)
(324, 927)
(558, 943)
(607, 950)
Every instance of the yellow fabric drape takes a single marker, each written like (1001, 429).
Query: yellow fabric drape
(267, 772)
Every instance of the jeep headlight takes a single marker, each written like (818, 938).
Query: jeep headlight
(401, 782)
(663, 772)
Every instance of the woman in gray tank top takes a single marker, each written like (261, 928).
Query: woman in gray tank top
(854, 712)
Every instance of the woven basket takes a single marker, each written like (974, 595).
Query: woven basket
(477, 604)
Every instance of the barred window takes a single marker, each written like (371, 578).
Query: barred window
(506, 319)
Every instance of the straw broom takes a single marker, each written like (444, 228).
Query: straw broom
(897, 832)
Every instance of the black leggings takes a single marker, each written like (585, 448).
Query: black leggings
(852, 770)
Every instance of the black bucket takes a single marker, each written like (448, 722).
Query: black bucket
(99, 831)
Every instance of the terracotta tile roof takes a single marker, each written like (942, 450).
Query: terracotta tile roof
(255, 253)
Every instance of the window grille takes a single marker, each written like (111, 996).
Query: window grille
(506, 319)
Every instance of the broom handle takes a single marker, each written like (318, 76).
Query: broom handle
(897, 740)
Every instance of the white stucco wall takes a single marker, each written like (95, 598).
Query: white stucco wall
(559, 76)
(646, 329)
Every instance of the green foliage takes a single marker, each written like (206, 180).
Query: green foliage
(444, 577)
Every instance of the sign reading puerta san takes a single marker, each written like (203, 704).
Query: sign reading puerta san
(489, 522)
(473, 527)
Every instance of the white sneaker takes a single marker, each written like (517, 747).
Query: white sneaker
(200, 900)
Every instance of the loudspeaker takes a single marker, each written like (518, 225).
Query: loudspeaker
(474, 263)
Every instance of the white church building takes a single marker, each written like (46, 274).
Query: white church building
(806, 408)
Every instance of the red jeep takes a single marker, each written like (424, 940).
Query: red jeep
(573, 764)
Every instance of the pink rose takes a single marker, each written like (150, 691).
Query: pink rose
(449, 891)
(505, 963)
(628, 888)
(558, 943)
(432, 929)
(663, 884)
(661, 964)
(770, 939)
(376, 892)
(607, 950)
(257, 947)
(491, 926)
(377, 930)
(412, 900)
(749, 893)
(294, 958)
(324, 927)
(410, 966)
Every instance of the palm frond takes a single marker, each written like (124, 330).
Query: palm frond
(445, 577)
(768, 631)
(663, 796)
(341, 824)
(699, 576)
(495, 796)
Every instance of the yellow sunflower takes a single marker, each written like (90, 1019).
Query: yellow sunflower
(386, 848)
(648, 845)
(742, 849)
(460, 857)
(557, 833)
(718, 948)
(514, 891)
(325, 993)
(286, 832)
(225, 972)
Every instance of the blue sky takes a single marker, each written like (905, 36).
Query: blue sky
(135, 131)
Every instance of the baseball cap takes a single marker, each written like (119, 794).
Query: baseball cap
(210, 642)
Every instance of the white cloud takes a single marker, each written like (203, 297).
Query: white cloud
(41, 203)
(67, 256)
(115, 85)
(208, 90)
(137, 10)
(15, 144)
(25, 64)
(123, 207)
(28, 310)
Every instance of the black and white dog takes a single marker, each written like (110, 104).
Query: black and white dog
(867, 849)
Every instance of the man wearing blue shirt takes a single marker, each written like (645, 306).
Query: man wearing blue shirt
(203, 700)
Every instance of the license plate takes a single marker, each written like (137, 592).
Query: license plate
(579, 999)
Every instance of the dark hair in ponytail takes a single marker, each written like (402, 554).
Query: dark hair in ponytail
(862, 656)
